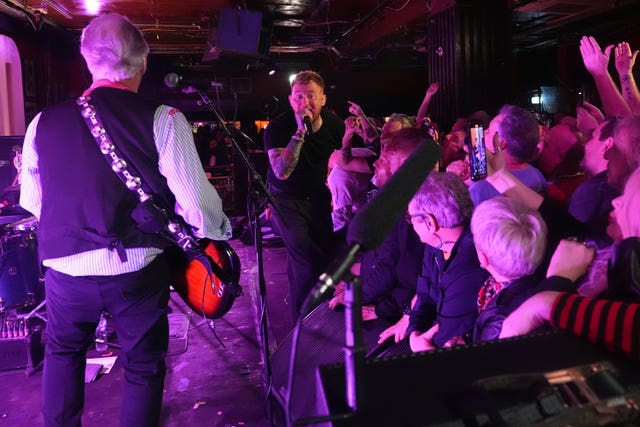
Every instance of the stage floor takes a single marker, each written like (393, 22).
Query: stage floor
(210, 383)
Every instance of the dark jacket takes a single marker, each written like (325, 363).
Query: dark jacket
(489, 322)
(389, 272)
(448, 291)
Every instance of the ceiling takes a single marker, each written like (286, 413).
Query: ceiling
(360, 31)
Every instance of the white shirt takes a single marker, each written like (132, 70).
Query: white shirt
(197, 201)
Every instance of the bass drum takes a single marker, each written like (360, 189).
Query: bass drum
(20, 274)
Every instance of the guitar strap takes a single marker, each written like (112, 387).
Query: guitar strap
(149, 217)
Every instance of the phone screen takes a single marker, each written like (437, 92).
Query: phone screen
(477, 151)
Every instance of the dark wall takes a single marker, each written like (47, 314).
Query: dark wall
(468, 53)
(52, 68)
(380, 90)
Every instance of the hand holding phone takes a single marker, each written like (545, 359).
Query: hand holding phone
(477, 151)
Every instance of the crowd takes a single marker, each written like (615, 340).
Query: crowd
(549, 236)
(550, 228)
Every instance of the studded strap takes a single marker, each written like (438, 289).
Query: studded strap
(175, 229)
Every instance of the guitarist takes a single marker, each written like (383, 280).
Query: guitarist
(97, 260)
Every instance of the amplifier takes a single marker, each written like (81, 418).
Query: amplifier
(465, 385)
(22, 352)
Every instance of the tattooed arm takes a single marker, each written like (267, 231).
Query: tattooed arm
(596, 61)
(625, 59)
(284, 160)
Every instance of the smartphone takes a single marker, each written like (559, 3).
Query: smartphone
(477, 151)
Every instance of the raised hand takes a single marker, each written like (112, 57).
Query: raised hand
(355, 109)
(624, 58)
(432, 89)
(351, 125)
(595, 60)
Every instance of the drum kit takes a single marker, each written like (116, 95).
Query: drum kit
(21, 278)
(21, 275)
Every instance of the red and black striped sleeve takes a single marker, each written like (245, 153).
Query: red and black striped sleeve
(615, 324)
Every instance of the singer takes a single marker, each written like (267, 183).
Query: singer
(298, 159)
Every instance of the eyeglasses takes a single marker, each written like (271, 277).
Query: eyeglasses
(411, 219)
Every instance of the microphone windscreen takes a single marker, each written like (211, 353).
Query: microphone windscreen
(172, 80)
(371, 225)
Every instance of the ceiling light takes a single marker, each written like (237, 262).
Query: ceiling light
(92, 6)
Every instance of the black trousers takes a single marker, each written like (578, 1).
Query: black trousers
(307, 232)
(138, 304)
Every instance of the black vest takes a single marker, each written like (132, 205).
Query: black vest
(84, 204)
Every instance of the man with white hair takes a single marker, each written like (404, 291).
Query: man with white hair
(96, 258)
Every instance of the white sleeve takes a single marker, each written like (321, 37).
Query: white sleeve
(197, 201)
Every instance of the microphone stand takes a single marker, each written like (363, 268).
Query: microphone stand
(257, 188)
(354, 342)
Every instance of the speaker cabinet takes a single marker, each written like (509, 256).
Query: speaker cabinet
(439, 387)
(22, 352)
(321, 341)
(238, 33)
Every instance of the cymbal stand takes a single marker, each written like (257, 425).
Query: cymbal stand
(35, 312)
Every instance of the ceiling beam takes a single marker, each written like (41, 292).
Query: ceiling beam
(384, 21)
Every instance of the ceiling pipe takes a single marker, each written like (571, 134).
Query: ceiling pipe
(360, 23)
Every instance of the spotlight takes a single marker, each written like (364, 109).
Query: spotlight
(272, 72)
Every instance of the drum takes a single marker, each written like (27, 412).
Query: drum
(20, 274)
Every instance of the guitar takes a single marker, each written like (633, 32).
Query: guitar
(207, 280)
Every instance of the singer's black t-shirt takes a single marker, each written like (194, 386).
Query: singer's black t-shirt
(309, 177)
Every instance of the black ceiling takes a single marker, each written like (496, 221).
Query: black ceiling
(361, 32)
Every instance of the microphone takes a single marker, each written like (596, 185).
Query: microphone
(4, 163)
(173, 80)
(308, 129)
(371, 225)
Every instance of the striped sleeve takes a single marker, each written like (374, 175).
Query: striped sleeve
(197, 201)
(30, 186)
(615, 324)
